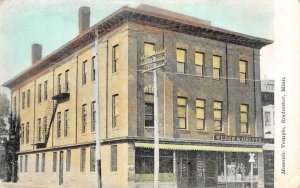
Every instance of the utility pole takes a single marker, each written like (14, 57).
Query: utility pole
(97, 115)
(151, 63)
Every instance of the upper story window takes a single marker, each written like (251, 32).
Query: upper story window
(84, 73)
(200, 114)
(92, 159)
(45, 90)
(58, 124)
(243, 71)
(27, 132)
(23, 100)
(67, 80)
(22, 134)
(149, 110)
(148, 49)
(93, 72)
(66, 123)
(267, 118)
(44, 126)
(37, 162)
(115, 110)
(82, 159)
(216, 67)
(43, 162)
(84, 118)
(181, 110)
(40, 93)
(114, 158)
(68, 161)
(116, 59)
(93, 116)
(39, 129)
(54, 162)
(28, 98)
(21, 163)
(199, 62)
(181, 59)
(218, 116)
(15, 105)
(244, 118)
(59, 84)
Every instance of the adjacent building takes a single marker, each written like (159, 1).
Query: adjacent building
(209, 95)
(267, 95)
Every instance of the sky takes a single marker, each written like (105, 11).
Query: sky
(54, 23)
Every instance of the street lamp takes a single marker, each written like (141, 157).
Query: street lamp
(251, 161)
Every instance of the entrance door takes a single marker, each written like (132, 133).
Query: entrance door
(187, 170)
(61, 167)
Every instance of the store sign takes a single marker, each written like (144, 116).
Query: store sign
(153, 61)
(224, 137)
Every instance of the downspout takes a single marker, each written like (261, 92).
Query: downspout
(76, 101)
(106, 89)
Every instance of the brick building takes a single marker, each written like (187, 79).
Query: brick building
(210, 111)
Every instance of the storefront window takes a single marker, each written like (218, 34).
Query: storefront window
(144, 163)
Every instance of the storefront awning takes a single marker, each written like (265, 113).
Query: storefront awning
(201, 148)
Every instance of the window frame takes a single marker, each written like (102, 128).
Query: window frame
(67, 80)
(185, 108)
(26, 164)
(59, 88)
(27, 133)
(68, 160)
(84, 73)
(93, 116)
(220, 120)
(93, 69)
(28, 98)
(218, 69)
(21, 163)
(23, 100)
(92, 159)
(46, 90)
(43, 162)
(115, 108)
(200, 65)
(246, 123)
(37, 162)
(54, 162)
(66, 122)
(58, 131)
(115, 60)
(181, 62)
(245, 73)
(39, 134)
(114, 158)
(82, 159)
(150, 44)
(84, 118)
(202, 108)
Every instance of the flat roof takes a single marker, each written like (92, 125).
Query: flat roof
(146, 15)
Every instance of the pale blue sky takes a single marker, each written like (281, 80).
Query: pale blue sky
(53, 23)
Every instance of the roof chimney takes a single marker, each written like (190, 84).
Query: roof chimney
(84, 18)
(36, 52)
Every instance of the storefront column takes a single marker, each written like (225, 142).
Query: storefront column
(225, 169)
(175, 170)
(131, 165)
(260, 158)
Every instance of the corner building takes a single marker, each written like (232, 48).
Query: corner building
(210, 113)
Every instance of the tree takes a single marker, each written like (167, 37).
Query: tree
(4, 112)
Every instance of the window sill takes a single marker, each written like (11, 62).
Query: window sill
(115, 129)
(115, 73)
(148, 127)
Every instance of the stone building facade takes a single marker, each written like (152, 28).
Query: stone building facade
(209, 95)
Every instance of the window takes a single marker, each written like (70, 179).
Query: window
(44, 127)
(39, 129)
(82, 160)
(180, 58)
(116, 58)
(84, 116)
(200, 114)
(37, 161)
(218, 116)
(199, 61)
(27, 132)
(115, 110)
(144, 163)
(243, 71)
(26, 163)
(28, 98)
(22, 134)
(148, 49)
(68, 162)
(149, 110)
(92, 159)
(21, 163)
(58, 124)
(114, 157)
(45, 90)
(54, 161)
(43, 163)
(93, 73)
(244, 118)
(216, 67)
(84, 73)
(59, 84)
(93, 116)
(40, 93)
(23, 100)
(67, 80)
(267, 118)
(66, 126)
(181, 110)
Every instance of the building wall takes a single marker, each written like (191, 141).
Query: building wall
(171, 84)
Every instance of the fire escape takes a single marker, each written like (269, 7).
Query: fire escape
(61, 95)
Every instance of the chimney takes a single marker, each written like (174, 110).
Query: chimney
(84, 18)
(36, 53)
